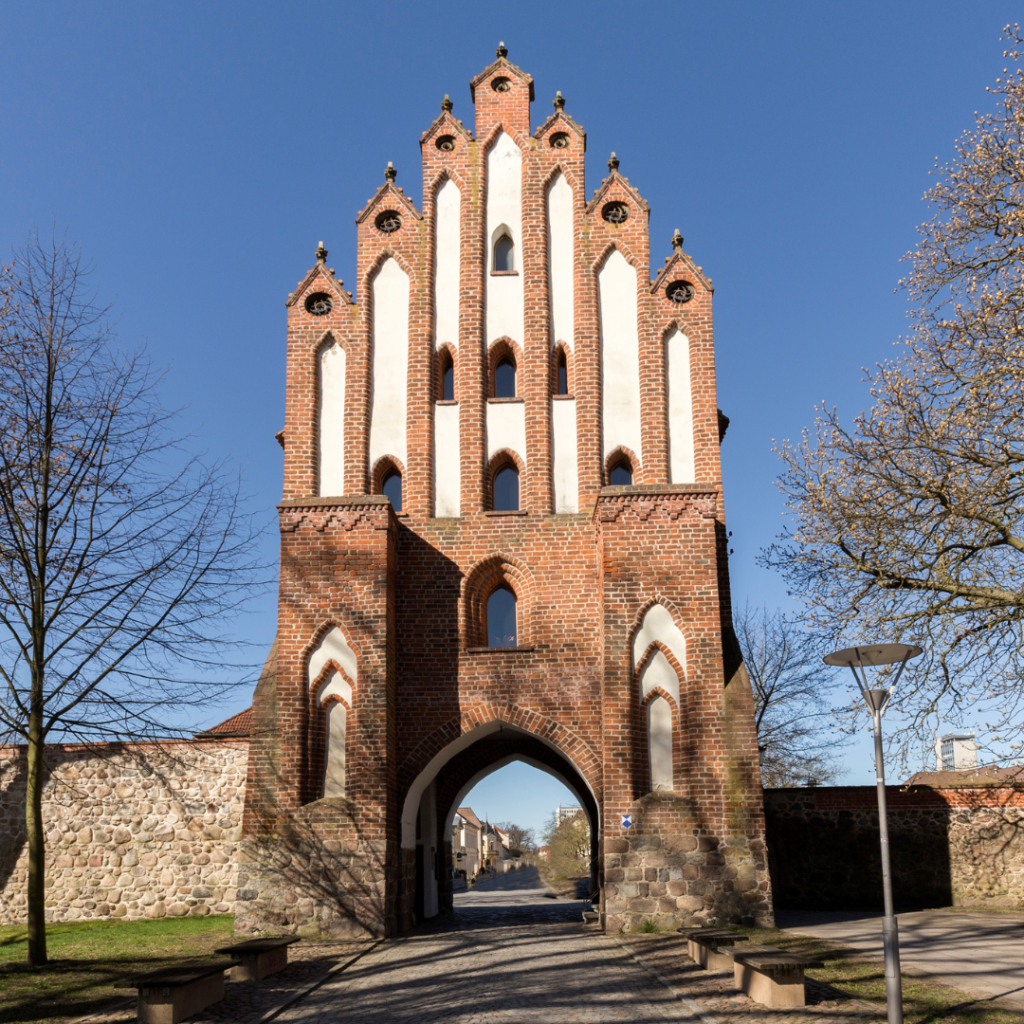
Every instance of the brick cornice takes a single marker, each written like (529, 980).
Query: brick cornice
(346, 511)
(658, 501)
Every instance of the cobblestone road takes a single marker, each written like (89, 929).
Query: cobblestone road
(511, 955)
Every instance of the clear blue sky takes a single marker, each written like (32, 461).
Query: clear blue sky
(200, 150)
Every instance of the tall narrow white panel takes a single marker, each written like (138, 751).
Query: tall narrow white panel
(389, 382)
(560, 259)
(447, 464)
(331, 426)
(448, 243)
(659, 731)
(680, 408)
(565, 474)
(506, 428)
(334, 769)
(620, 355)
(504, 293)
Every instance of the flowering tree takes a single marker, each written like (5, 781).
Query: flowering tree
(909, 524)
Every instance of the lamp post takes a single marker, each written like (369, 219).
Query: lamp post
(876, 655)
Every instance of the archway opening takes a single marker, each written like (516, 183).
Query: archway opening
(436, 825)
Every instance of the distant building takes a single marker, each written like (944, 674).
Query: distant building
(467, 842)
(956, 752)
(564, 813)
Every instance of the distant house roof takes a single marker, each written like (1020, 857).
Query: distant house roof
(236, 725)
(467, 813)
(985, 775)
(502, 835)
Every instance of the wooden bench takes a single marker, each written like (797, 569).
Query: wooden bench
(259, 958)
(771, 976)
(703, 945)
(174, 993)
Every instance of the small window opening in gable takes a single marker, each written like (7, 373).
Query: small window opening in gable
(501, 84)
(446, 377)
(505, 489)
(505, 378)
(504, 255)
(560, 140)
(620, 472)
(501, 618)
(391, 488)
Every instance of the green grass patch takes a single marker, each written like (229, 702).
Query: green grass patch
(849, 976)
(91, 962)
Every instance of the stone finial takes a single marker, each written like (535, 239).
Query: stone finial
(446, 103)
(559, 101)
(613, 162)
(677, 241)
(502, 50)
(390, 173)
(321, 253)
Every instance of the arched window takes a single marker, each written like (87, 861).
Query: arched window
(447, 376)
(504, 255)
(506, 489)
(620, 473)
(561, 372)
(505, 379)
(501, 618)
(391, 487)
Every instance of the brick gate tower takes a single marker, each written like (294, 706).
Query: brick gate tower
(502, 538)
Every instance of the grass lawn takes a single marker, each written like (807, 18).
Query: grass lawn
(91, 962)
(852, 976)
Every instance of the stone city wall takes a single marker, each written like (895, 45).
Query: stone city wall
(132, 829)
(956, 846)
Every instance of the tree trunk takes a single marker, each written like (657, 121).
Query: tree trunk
(36, 842)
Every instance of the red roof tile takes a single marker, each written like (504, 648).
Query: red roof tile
(236, 725)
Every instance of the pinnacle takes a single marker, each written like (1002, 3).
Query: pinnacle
(613, 162)
(390, 173)
(502, 50)
(446, 103)
(321, 253)
(559, 101)
(677, 241)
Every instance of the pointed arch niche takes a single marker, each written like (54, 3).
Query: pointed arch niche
(389, 385)
(332, 673)
(659, 661)
(680, 407)
(330, 418)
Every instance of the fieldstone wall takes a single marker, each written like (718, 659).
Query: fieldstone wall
(132, 829)
(961, 846)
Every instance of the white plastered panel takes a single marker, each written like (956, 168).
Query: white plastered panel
(333, 647)
(658, 672)
(658, 624)
(565, 471)
(331, 426)
(506, 428)
(504, 294)
(447, 462)
(680, 408)
(620, 355)
(390, 370)
(446, 265)
(659, 732)
(336, 728)
(560, 259)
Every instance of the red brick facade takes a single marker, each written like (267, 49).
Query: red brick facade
(429, 706)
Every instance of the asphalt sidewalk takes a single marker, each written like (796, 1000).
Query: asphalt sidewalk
(980, 953)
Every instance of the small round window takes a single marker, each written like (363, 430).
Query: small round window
(446, 143)
(560, 140)
(501, 84)
(388, 221)
(615, 213)
(679, 292)
(318, 304)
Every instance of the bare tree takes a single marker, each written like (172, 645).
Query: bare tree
(121, 556)
(909, 524)
(569, 843)
(519, 838)
(797, 735)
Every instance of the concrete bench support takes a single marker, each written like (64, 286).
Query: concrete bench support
(771, 976)
(259, 958)
(704, 947)
(171, 995)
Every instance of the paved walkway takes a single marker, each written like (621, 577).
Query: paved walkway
(511, 955)
(982, 954)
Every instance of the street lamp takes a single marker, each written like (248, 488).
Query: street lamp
(877, 700)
